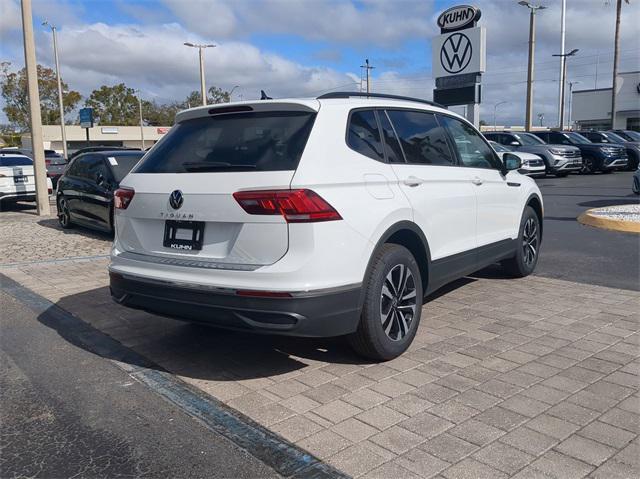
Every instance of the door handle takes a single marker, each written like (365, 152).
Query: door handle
(413, 181)
(477, 181)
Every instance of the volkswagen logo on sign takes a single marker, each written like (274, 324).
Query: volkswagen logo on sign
(176, 199)
(456, 53)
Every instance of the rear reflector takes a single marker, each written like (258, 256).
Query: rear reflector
(122, 197)
(263, 294)
(296, 206)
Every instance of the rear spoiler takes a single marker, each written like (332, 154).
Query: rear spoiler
(310, 105)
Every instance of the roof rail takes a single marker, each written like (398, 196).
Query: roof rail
(349, 94)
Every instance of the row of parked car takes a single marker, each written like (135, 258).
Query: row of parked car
(563, 152)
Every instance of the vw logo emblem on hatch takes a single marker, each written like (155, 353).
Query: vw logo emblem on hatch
(456, 53)
(176, 199)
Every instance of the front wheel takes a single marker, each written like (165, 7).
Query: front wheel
(64, 217)
(392, 305)
(588, 166)
(528, 246)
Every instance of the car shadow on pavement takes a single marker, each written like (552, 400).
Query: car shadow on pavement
(630, 199)
(92, 321)
(76, 230)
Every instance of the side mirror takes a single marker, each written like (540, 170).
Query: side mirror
(511, 162)
(515, 143)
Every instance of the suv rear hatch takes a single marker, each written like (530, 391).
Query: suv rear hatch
(183, 210)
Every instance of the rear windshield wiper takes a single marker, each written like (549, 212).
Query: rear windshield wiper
(216, 166)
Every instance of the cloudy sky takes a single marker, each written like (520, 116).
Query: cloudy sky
(307, 47)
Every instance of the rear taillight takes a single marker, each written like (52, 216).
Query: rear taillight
(296, 206)
(122, 197)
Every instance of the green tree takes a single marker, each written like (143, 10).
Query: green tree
(13, 87)
(218, 95)
(114, 105)
(157, 114)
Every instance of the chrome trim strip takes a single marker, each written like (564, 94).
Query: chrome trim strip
(231, 291)
(187, 263)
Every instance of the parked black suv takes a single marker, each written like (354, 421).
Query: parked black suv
(632, 147)
(559, 160)
(595, 156)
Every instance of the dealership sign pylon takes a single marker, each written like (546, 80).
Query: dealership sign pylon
(458, 59)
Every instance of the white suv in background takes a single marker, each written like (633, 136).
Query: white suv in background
(318, 217)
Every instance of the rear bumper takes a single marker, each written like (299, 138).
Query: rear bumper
(18, 196)
(314, 314)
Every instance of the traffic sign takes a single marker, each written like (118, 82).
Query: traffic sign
(86, 117)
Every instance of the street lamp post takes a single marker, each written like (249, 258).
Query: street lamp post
(563, 76)
(532, 42)
(540, 118)
(60, 100)
(571, 83)
(232, 90)
(495, 107)
(141, 123)
(201, 47)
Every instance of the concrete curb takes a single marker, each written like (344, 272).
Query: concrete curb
(589, 218)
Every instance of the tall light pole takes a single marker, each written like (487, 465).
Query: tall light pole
(201, 47)
(141, 124)
(540, 118)
(232, 90)
(60, 101)
(495, 107)
(532, 43)
(563, 76)
(571, 83)
(35, 119)
(368, 68)
(563, 62)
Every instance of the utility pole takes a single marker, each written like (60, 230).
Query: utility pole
(616, 52)
(201, 47)
(571, 83)
(495, 107)
(532, 42)
(563, 66)
(367, 67)
(60, 101)
(141, 124)
(35, 120)
(541, 117)
(563, 76)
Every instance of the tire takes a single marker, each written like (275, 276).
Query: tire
(588, 166)
(528, 249)
(64, 217)
(388, 323)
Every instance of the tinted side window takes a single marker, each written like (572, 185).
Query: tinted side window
(509, 139)
(558, 139)
(423, 140)
(363, 134)
(80, 166)
(472, 149)
(391, 143)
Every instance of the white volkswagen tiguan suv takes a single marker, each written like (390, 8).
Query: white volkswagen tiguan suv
(318, 217)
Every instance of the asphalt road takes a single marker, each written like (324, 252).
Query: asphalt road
(581, 253)
(65, 412)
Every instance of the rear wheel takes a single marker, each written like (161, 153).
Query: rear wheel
(64, 218)
(392, 305)
(528, 246)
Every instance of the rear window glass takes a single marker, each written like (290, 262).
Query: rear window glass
(363, 135)
(15, 161)
(122, 165)
(264, 141)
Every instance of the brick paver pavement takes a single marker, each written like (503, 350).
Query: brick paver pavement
(506, 378)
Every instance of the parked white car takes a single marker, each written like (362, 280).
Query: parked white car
(532, 165)
(17, 182)
(318, 217)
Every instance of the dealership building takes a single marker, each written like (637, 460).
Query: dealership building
(591, 109)
(127, 136)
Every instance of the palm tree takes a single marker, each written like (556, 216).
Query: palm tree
(615, 61)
